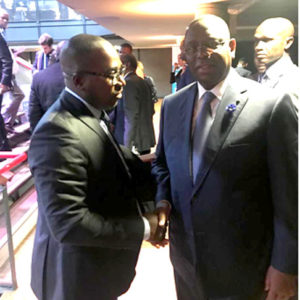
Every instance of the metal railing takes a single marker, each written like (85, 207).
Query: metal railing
(5, 176)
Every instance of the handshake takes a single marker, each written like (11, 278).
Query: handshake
(158, 221)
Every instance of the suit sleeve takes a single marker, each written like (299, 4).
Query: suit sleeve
(159, 166)
(60, 163)
(131, 112)
(6, 63)
(35, 109)
(283, 166)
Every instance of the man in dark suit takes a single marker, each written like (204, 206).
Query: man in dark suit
(275, 69)
(229, 185)
(45, 89)
(44, 56)
(6, 63)
(241, 68)
(89, 229)
(133, 117)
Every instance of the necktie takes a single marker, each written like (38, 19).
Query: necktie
(202, 126)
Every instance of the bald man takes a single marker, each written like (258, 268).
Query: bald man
(226, 169)
(89, 229)
(273, 39)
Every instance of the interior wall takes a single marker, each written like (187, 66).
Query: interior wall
(158, 65)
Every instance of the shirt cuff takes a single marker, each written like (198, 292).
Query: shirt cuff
(163, 203)
(147, 229)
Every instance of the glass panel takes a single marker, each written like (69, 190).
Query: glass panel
(20, 10)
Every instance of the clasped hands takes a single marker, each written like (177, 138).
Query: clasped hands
(158, 221)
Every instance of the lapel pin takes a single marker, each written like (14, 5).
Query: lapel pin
(231, 107)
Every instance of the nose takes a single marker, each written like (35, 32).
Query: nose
(118, 83)
(203, 52)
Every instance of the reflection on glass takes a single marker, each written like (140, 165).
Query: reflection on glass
(32, 10)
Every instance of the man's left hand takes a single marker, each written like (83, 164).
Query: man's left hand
(279, 285)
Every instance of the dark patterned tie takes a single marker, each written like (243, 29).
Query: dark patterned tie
(201, 130)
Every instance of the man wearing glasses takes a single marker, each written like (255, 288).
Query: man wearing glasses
(90, 226)
(226, 169)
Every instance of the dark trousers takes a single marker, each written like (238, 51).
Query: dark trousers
(4, 145)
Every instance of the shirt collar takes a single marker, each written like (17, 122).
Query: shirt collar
(218, 90)
(96, 112)
(275, 70)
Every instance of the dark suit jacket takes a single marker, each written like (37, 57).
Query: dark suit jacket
(133, 116)
(186, 78)
(45, 89)
(243, 206)
(243, 72)
(38, 63)
(6, 63)
(88, 232)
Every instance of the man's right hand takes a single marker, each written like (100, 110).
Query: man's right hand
(157, 232)
(4, 88)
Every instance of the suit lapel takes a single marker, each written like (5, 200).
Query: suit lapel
(224, 120)
(186, 116)
(80, 111)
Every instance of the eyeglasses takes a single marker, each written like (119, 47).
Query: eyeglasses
(113, 74)
(207, 47)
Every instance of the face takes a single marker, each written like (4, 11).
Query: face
(47, 49)
(269, 46)
(208, 54)
(125, 50)
(100, 80)
(4, 18)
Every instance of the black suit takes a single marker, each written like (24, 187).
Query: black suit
(45, 89)
(88, 232)
(133, 115)
(243, 72)
(243, 205)
(6, 63)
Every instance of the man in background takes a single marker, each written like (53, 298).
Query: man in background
(45, 89)
(126, 48)
(133, 116)
(241, 67)
(6, 64)
(43, 57)
(275, 69)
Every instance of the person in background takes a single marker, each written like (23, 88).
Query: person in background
(45, 88)
(12, 98)
(43, 56)
(241, 68)
(149, 80)
(6, 64)
(126, 48)
(227, 177)
(90, 228)
(132, 118)
(177, 70)
(275, 69)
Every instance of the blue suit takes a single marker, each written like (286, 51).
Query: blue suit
(240, 216)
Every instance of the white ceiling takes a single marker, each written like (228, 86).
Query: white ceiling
(154, 23)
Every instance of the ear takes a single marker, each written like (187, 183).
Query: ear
(78, 81)
(288, 43)
(232, 46)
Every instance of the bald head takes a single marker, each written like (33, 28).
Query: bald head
(280, 27)
(4, 18)
(213, 25)
(273, 38)
(79, 53)
(208, 50)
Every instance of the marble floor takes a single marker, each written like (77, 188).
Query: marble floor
(154, 279)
